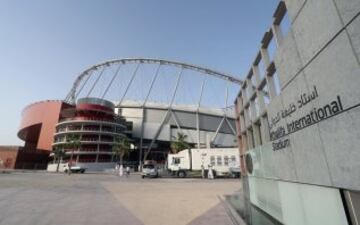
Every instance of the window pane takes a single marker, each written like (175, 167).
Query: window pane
(226, 160)
(219, 161)
(212, 160)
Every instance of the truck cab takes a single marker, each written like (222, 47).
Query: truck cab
(179, 163)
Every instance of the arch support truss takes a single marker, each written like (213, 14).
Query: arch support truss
(71, 97)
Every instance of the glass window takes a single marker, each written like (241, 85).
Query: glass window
(149, 166)
(226, 160)
(212, 160)
(176, 161)
(219, 160)
(233, 158)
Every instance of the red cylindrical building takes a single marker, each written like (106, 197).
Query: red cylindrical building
(94, 124)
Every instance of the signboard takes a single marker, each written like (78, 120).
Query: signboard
(279, 135)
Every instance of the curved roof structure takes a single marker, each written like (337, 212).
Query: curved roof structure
(156, 79)
(162, 97)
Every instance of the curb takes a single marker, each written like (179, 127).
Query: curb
(230, 211)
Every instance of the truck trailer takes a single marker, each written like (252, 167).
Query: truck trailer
(223, 161)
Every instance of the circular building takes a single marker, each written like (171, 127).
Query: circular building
(87, 131)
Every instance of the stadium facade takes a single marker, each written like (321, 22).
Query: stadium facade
(298, 117)
(153, 127)
(149, 123)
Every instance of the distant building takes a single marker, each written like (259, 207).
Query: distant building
(8, 155)
(36, 130)
(298, 117)
(16, 157)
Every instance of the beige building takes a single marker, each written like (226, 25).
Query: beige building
(298, 117)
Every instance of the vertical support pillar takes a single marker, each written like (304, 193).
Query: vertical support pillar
(265, 128)
(197, 113)
(198, 128)
(277, 33)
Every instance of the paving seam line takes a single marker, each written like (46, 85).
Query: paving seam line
(234, 217)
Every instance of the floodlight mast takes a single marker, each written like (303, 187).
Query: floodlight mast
(71, 97)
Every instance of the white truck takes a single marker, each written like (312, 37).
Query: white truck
(223, 161)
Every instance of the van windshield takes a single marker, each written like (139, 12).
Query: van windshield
(148, 166)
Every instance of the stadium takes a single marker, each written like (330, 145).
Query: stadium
(148, 100)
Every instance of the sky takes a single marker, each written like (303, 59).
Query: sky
(45, 44)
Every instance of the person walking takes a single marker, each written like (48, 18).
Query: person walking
(69, 167)
(127, 171)
(210, 173)
(117, 169)
(121, 171)
(202, 172)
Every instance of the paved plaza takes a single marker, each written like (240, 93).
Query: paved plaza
(44, 199)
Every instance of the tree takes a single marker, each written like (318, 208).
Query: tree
(59, 153)
(179, 144)
(72, 142)
(121, 147)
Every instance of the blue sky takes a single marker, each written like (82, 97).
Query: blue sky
(45, 44)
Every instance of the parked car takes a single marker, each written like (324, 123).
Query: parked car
(235, 172)
(149, 170)
(74, 169)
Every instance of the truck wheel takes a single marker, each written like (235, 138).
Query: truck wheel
(82, 171)
(65, 171)
(142, 176)
(181, 174)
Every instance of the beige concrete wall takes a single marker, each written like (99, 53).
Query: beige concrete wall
(320, 51)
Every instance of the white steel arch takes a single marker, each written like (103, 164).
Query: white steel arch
(71, 97)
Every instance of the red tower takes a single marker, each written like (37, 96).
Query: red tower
(94, 125)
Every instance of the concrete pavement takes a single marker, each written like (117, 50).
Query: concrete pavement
(44, 199)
